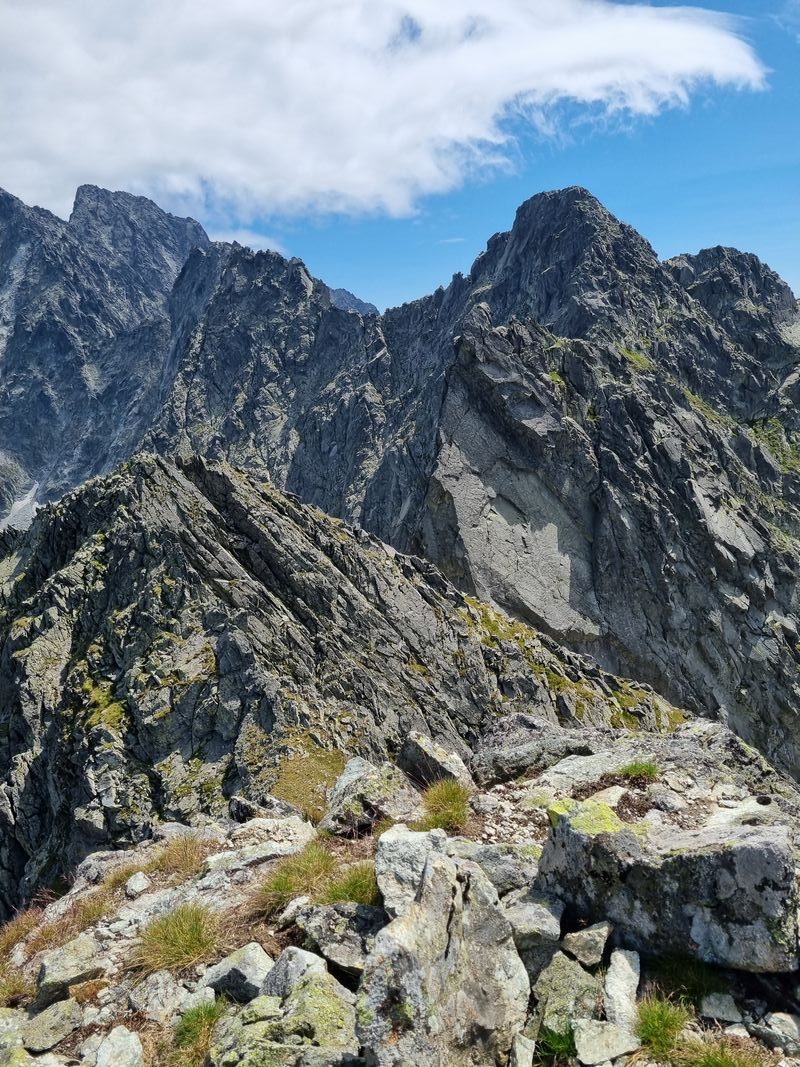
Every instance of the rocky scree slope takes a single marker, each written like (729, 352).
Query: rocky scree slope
(174, 636)
(598, 881)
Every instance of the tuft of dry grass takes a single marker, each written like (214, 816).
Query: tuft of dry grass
(304, 780)
(17, 929)
(86, 992)
(178, 941)
(15, 989)
(182, 857)
(723, 1051)
(78, 917)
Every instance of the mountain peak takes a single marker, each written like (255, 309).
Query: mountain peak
(567, 261)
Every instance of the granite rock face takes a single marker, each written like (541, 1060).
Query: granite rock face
(85, 326)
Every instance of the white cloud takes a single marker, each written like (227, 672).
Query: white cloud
(240, 109)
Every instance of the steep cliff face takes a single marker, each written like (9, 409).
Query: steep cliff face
(84, 326)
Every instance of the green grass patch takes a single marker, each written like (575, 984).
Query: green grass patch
(304, 874)
(659, 1025)
(638, 361)
(304, 780)
(641, 769)
(15, 988)
(193, 1034)
(446, 806)
(178, 941)
(555, 378)
(555, 1047)
(717, 418)
(771, 434)
(356, 884)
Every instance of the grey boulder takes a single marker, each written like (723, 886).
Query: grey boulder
(241, 975)
(365, 794)
(727, 894)
(426, 761)
(444, 984)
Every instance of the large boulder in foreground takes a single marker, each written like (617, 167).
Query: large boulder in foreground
(444, 985)
(727, 894)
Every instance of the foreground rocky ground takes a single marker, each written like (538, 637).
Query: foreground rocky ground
(566, 893)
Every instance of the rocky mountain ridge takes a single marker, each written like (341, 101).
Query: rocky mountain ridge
(173, 637)
(600, 443)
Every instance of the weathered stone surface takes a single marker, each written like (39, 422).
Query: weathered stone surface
(536, 928)
(342, 933)
(564, 992)
(422, 999)
(507, 866)
(599, 1042)
(241, 975)
(292, 965)
(52, 1025)
(122, 1048)
(426, 762)
(313, 1025)
(588, 945)
(620, 989)
(725, 893)
(78, 961)
(158, 997)
(720, 1006)
(522, 1052)
(400, 861)
(785, 1028)
(365, 794)
(136, 885)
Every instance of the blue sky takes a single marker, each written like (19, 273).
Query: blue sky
(723, 170)
(384, 141)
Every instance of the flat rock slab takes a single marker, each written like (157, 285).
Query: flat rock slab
(600, 1042)
(78, 961)
(720, 1006)
(52, 1025)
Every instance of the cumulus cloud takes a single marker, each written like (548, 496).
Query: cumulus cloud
(240, 109)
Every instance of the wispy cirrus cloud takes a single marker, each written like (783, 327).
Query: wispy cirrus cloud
(243, 109)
